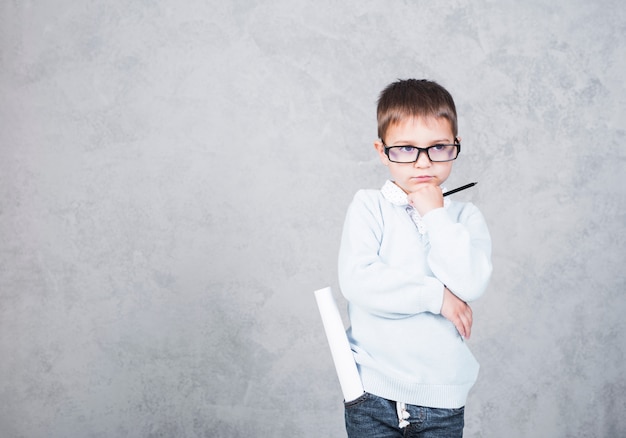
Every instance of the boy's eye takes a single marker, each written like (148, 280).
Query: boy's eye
(438, 147)
(407, 149)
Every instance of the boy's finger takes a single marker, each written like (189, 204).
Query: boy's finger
(460, 326)
(467, 325)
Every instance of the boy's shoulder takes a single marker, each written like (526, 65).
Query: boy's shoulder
(461, 211)
(369, 197)
(368, 194)
(368, 203)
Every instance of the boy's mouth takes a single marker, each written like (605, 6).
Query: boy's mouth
(422, 178)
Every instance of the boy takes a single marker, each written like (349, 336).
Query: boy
(409, 262)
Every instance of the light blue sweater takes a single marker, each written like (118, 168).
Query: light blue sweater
(393, 278)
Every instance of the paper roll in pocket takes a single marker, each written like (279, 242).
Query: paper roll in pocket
(340, 350)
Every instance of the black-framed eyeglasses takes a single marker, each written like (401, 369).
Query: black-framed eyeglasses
(436, 153)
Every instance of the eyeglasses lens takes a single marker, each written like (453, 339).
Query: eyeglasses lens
(442, 153)
(403, 154)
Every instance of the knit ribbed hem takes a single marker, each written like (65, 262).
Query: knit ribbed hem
(432, 396)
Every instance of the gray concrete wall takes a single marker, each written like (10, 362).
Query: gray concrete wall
(174, 177)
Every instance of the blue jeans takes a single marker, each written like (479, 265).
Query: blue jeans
(370, 416)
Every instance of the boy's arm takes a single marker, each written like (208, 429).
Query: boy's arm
(460, 254)
(458, 312)
(362, 274)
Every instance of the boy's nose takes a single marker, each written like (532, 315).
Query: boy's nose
(423, 160)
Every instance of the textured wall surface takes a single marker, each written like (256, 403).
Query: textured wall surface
(174, 177)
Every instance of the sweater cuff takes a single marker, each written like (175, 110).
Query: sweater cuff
(433, 299)
(437, 218)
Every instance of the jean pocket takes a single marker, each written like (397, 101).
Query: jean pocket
(357, 401)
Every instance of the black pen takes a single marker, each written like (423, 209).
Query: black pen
(458, 189)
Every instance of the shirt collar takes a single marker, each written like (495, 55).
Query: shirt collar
(394, 194)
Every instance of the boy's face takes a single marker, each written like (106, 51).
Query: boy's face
(422, 133)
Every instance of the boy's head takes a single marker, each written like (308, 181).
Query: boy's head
(417, 129)
(414, 98)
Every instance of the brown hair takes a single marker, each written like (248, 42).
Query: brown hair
(409, 98)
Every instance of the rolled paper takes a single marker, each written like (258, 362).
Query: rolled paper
(340, 350)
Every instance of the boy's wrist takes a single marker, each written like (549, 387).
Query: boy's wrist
(434, 216)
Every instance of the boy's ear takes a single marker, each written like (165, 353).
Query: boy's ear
(380, 148)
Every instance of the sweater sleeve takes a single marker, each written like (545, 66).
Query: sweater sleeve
(460, 254)
(367, 281)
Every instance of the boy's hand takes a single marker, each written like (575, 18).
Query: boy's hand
(425, 198)
(458, 312)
